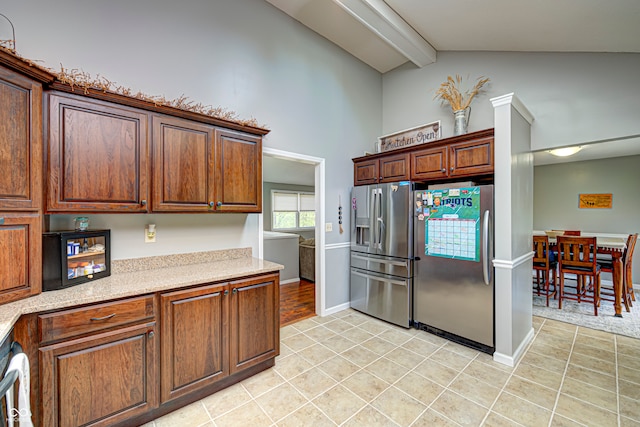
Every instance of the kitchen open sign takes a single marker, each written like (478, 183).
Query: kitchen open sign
(452, 228)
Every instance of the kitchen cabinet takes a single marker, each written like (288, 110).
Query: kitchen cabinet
(183, 165)
(470, 158)
(98, 364)
(238, 172)
(430, 163)
(215, 330)
(469, 155)
(195, 340)
(20, 255)
(97, 156)
(254, 321)
(21, 147)
(389, 168)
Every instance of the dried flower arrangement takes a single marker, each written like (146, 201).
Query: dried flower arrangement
(450, 92)
(83, 81)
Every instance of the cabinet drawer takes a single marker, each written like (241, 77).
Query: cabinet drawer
(69, 323)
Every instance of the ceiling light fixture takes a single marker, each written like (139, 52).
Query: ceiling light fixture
(564, 152)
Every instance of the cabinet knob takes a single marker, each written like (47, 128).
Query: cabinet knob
(219, 204)
(444, 170)
(210, 204)
(143, 202)
(235, 291)
(451, 168)
(226, 292)
(152, 334)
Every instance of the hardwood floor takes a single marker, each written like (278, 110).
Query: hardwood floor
(297, 301)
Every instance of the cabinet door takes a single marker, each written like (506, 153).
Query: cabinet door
(21, 142)
(195, 340)
(394, 168)
(183, 166)
(471, 157)
(238, 172)
(101, 379)
(429, 164)
(20, 255)
(365, 172)
(254, 321)
(97, 157)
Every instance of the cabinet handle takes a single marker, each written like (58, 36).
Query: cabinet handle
(219, 204)
(152, 334)
(143, 203)
(235, 291)
(210, 204)
(226, 292)
(96, 319)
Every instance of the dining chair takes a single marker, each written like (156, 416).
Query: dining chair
(577, 255)
(545, 266)
(571, 233)
(606, 265)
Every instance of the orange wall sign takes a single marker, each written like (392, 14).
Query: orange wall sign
(596, 201)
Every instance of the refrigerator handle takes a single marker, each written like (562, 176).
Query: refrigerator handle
(380, 219)
(372, 220)
(486, 250)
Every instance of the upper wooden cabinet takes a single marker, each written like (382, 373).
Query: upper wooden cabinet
(468, 155)
(238, 172)
(20, 255)
(97, 156)
(389, 168)
(183, 165)
(20, 142)
(471, 157)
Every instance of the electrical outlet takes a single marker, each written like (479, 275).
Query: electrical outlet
(328, 227)
(150, 233)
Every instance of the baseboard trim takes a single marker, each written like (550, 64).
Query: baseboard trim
(513, 360)
(335, 309)
(284, 282)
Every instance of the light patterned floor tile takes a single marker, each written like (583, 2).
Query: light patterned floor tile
(339, 404)
(457, 408)
(399, 406)
(521, 411)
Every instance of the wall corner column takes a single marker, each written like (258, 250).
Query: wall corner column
(513, 228)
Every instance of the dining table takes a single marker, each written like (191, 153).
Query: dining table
(609, 244)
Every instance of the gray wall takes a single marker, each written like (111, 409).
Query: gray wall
(266, 203)
(556, 189)
(243, 55)
(574, 97)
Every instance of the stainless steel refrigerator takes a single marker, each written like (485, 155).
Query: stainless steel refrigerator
(453, 271)
(382, 251)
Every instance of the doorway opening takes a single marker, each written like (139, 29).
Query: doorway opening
(288, 164)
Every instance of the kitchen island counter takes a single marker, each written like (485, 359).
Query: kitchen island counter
(142, 276)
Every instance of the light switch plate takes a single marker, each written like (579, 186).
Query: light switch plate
(328, 227)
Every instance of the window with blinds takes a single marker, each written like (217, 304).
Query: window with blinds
(292, 210)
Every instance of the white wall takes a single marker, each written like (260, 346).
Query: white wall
(574, 98)
(244, 55)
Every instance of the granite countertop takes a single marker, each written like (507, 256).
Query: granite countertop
(143, 276)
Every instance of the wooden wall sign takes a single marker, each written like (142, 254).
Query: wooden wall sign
(414, 136)
(595, 201)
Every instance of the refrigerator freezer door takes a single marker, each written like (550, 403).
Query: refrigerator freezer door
(453, 295)
(385, 297)
(362, 204)
(394, 223)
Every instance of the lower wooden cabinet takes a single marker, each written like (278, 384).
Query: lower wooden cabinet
(101, 379)
(215, 330)
(195, 341)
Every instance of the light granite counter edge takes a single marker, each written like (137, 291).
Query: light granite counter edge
(133, 283)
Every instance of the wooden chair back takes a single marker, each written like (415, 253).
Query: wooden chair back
(571, 233)
(627, 259)
(577, 254)
(541, 252)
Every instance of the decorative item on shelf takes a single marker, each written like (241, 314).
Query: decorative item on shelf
(81, 223)
(9, 44)
(460, 102)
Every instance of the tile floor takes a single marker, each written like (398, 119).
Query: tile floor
(349, 369)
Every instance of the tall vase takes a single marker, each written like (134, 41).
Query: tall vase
(460, 121)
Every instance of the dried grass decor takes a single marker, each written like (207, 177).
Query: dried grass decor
(451, 92)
